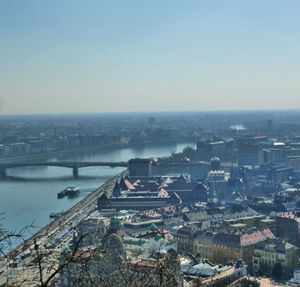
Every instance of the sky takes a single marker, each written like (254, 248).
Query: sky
(76, 56)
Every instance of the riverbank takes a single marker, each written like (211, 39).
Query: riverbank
(83, 150)
(30, 193)
(20, 209)
(29, 272)
(76, 213)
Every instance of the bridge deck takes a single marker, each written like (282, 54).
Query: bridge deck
(65, 164)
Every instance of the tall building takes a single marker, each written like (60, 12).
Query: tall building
(210, 148)
(248, 150)
(140, 167)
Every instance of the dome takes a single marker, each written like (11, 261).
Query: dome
(153, 227)
(115, 223)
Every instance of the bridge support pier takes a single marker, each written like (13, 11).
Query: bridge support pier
(2, 173)
(75, 172)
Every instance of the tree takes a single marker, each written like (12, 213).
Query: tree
(8, 239)
(104, 265)
(189, 152)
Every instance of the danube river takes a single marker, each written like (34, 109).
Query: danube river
(29, 194)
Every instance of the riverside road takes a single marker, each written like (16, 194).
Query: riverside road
(27, 273)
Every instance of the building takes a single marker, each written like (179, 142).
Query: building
(294, 163)
(216, 180)
(224, 246)
(278, 173)
(2, 150)
(140, 167)
(162, 271)
(204, 244)
(189, 191)
(137, 202)
(162, 187)
(248, 150)
(276, 251)
(209, 275)
(215, 163)
(288, 227)
(211, 148)
(295, 281)
(197, 170)
(116, 192)
(185, 237)
(142, 225)
(91, 230)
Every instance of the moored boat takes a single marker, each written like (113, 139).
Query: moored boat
(70, 191)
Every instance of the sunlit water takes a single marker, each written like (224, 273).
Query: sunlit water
(29, 195)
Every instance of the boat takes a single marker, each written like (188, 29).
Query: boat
(61, 194)
(70, 191)
(54, 216)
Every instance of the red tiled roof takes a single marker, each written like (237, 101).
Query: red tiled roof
(239, 239)
(129, 184)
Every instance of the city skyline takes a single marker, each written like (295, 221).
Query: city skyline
(133, 56)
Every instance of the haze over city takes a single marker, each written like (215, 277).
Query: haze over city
(111, 56)
(149, 143)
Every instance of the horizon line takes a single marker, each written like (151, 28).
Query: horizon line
(151, 112)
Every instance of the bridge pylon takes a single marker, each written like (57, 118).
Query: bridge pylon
(2, 172)
(75, 172)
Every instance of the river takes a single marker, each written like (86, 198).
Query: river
(29, 194)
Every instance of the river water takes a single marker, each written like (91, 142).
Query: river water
(29, 194)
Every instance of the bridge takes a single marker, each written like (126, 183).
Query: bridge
(68, 164)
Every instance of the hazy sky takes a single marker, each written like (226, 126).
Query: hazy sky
(155, 55)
